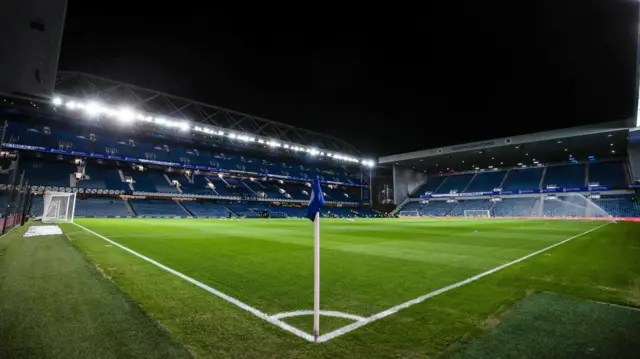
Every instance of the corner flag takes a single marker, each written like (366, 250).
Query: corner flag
(316, 201)
(313, 213)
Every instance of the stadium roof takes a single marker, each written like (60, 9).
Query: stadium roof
(110, 92)
(602, 141)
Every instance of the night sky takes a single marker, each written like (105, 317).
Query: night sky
(386, 80)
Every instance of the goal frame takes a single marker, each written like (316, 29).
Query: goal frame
(57, 202)
(409, 214)
(480, 212)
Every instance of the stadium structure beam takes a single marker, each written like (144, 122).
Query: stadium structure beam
(620, 125)
(111, 92)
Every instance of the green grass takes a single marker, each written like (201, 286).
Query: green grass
(55, 304)
(367, 267)
(551, 326)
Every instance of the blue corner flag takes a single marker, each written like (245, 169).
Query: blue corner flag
(316, 201)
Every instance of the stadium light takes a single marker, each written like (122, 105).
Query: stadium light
(125, 114)
(93, 108)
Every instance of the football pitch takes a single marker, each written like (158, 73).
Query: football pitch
(389, 287)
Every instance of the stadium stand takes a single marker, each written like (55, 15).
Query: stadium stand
(157, 208)
(473, 204)
(101, 207)
(619, 205)
(457, 183)
(205, 209)
(101, 177)
(486, 181)
(514, 207)
(607, 173)
(568, 176)
(437, 208)
(522, 179)
(55, 174)
(430, 185)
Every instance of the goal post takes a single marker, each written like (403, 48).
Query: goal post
(477, 213)
(58, 207)
(408, 214)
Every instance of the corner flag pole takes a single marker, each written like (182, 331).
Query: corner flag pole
(313, 213)
(316, 276)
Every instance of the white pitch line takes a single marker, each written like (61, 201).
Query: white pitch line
(392, 310)
(616, 305)
(217, 293)
(326, 313)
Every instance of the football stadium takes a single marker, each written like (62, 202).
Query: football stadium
(141, 224)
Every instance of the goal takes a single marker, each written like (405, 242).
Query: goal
(58, 207)
(477, 213)
(408, 214)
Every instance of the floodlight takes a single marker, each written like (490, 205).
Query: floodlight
(232, 135)
(184, 126)
(125, 114)
(252, 139)
(161, 121)
(71, 104)
(57, 101)
(93, 108)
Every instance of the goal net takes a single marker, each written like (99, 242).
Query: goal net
(408, 214)
(477, 213)
(58, 207)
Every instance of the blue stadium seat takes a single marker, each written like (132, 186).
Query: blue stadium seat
(567, 176)
(37, 206)
(607, 174)
(430, 186)
(514, 207)
(206, 209)
(102, 177)
(486, 181)
(56, 174)
(157, 207)
(619, 206)
(472, 204)
(101, 207)
(437, 208)
(150, 181)
(455, 183)
(522, 179)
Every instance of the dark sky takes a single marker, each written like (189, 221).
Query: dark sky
(386, 80)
